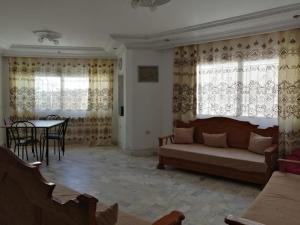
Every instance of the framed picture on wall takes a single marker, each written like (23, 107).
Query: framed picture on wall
(148, 74)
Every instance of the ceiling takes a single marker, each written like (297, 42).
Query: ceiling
(97, 24)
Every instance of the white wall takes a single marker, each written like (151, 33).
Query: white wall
(167, 92)
(148, 106)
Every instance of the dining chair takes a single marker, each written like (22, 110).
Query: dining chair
(24, 135)
(59, 136)
(7, 124)
(55, 129)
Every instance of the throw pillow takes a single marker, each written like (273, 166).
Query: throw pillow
(258, 144)
(215, 140)
(107, 215)
(184, 135)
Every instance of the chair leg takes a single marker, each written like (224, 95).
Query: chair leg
(26, 152)
(41, 156)
(23, 152)
(54, 146)
(36, 151)
(58, 147)
(63, 146)
(32, 150)
(42, 149)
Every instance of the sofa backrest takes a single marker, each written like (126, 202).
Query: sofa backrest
(26, 197)
(238, 132)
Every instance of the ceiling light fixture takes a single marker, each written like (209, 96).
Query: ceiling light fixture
(152, 4)
(49, 35)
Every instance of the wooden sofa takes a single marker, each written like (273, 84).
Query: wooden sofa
(234, 162)
(277, 204)
(26, 198)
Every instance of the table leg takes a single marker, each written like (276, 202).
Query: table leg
(47, 147)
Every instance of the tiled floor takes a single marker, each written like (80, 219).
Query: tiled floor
(144, 191)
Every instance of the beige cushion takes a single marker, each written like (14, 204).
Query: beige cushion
(184, 135)
(234, 158)
(215, 140)
(126, 219)
(279, 202)
(107, 215)
(258, 143)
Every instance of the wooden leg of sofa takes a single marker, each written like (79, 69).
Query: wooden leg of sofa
(160, 164)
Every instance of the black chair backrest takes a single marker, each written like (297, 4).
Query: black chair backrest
(63, 127)
(66, 126)
(22, 130)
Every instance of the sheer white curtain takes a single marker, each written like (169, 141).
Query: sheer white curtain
(65, 95)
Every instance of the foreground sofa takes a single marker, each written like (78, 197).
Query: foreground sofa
(234, 162)
(277, 204)
(26, 198)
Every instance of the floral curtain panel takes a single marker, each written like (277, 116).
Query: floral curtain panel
(76, 88)
(184, 89)
(251, 77)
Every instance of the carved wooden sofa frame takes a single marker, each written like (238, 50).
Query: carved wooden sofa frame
(26, 198)
(217, 126)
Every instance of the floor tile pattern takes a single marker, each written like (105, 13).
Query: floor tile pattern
(140, 189)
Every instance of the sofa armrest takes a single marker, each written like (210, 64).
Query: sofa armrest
(165, 140)
(272, 150)
(271, 156)
(174, 218)
(284, 162)
(232, 220)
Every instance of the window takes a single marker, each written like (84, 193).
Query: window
(61, 94)
(238, 89)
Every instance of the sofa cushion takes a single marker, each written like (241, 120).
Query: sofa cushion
(258, 144)
(234, 158)
(215, 140)
(279, 202)
(184, 135)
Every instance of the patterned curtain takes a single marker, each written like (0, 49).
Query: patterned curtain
(250, 77)
(22, 85)
(184, 89)
(77, 88)
(239, 77)
(289, 90)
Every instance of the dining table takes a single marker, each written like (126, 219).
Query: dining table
(39, 124)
